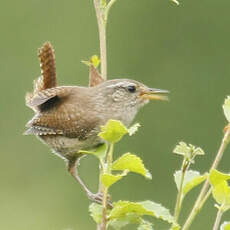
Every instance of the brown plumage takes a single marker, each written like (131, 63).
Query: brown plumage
(48, 66)
(94, 76)
(68, 118)
(48, 71)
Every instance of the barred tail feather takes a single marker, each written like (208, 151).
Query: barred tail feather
(48, 68)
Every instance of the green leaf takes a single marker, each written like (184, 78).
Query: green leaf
(119, 223)
(113, 131)
(191, 180)
(133, 129)
(226, 108)
(95, 60)
(96, 212)
(225, 226)
(220, 188)
(122, 208)
(145, 225)
(158, 210)
(216, 177)
(188, 151)
(132, 163)
(99, 152)
(175, 227)
(109, 179)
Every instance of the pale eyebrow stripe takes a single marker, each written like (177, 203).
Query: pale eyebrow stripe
(121, 84)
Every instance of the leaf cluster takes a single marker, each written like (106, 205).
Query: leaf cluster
(124, 212)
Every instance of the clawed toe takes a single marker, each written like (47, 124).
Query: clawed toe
(98, 198)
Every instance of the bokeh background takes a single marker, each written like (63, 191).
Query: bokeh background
(184, 49)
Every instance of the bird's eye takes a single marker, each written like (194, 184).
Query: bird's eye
(131, 88)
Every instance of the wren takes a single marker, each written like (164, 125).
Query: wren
(68, 118)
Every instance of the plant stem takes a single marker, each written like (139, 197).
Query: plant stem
(205, 198)
(179, 199)
(104, 204)
(108, 7)
(101, 21)
(198, 203)
(103, 226)
(102, 16)
(218, 218)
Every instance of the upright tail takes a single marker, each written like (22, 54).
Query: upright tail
(48, 66)
(48, 71)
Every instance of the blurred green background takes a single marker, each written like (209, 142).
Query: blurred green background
(184, 49)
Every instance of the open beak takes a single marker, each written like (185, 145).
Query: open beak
(155, 94)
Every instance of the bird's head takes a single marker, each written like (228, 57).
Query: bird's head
(130, 92)
(124, 97)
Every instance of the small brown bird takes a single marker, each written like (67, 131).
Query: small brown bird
(68, 118)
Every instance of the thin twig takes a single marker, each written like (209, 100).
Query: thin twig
(205, 187)
(101, 21)
(105, 193)
(179, 199)
(108, 7)
(104, 216)
(218, 218)
(205, 198)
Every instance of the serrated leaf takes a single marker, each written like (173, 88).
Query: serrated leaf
(119, 223)
(133, 129)
(99, 152)
(191, 180)
(188, 151)
(109, 179)
(132, 163)
(225, 226)
(158, 210)
(145, 225)
(182, 149)
(220, 188)
(226, 108)
(113, 131)
(96, 212)
(122, 208)
(194, 182)
(216, 177)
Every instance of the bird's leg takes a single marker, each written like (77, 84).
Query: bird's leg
(73, 170)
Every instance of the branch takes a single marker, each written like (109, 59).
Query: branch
(218, 218)
(205, 187)
(108, 7)
(101, 21)
(184, 167)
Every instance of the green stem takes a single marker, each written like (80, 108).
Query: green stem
(108, 7)
(107, 169)
(110, 158)
(179, 199)
(104, 210)
(218, 218)
(205, 198)
(101, 21)
(197, 205)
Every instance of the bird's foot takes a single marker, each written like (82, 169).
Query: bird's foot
(98, 198)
